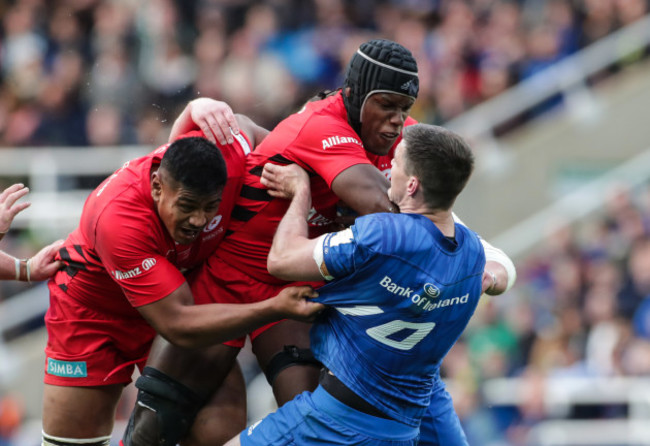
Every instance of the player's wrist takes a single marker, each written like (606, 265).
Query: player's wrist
(495, 283)
(23, 270)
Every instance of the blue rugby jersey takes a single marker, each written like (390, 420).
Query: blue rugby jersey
(403, 294)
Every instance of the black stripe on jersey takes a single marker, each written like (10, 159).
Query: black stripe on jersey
(242, 214)
(71, 266)
(80, 251)
(94, 257)
(255, 193)
(71, 270)
(280, 159)
(257, 170)
(63, 287)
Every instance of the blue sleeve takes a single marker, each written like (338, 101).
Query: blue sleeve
(345, 251)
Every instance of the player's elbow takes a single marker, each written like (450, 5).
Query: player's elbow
(277, 266)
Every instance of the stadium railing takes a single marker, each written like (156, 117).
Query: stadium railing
(560, 395)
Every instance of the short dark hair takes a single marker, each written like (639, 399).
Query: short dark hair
(197, 164)
(440, 159)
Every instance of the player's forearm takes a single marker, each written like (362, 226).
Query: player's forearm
(291, 236)
(12, 268)
(203, 325)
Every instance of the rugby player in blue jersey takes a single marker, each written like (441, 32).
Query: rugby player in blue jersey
(402, 289)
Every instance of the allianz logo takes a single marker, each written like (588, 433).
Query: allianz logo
(428, 301)
(335, 140)
(147, 264)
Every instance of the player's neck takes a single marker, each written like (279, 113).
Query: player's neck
(442, 218)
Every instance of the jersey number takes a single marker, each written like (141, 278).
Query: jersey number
(382, 332)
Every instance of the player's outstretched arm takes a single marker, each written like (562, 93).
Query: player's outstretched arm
(179, 321)
(39, 267)
(215, 118)
(291, 254)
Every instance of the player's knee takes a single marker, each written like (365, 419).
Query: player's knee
(289, 356)
(217, 431)
(165, 410)
(221, 419)
(50, 440)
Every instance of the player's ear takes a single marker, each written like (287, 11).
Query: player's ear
(412, 185)
(156, 186)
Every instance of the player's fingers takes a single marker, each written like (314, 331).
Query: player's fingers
(487, 282)
(51, 249)
(17, 208)
(266, 179)
(306, 291)
(270, 169)
(217, 131)
(205, 128)
(11, 190)
(231, 121)
(220, 129)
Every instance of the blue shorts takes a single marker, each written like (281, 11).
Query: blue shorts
(440, 424)
(319, 418)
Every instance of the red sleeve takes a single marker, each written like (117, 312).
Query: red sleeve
(328, 148)
(133, 250)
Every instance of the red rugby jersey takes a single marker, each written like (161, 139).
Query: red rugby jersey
(121, 247)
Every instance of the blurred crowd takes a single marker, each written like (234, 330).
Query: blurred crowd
(93, 73)
(580, 308)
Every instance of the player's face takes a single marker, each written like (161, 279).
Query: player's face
(183, 212)
(382, 120)
(398, 176)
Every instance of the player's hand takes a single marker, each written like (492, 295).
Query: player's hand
(284, 181)
(8, 206)
(43, 265)
(215, 119)
(294, 303)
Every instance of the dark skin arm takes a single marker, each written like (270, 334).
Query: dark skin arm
(254, 132)
(178, 320)
(364, 189)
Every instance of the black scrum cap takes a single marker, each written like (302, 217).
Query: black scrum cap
(378, 66)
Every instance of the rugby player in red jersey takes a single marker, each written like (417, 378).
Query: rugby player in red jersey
(123, 281)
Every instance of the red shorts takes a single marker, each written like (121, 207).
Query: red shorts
(218, 282)
(89, 348)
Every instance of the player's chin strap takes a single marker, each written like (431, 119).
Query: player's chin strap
(164, 411)
(50, 440)
(288, 357)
